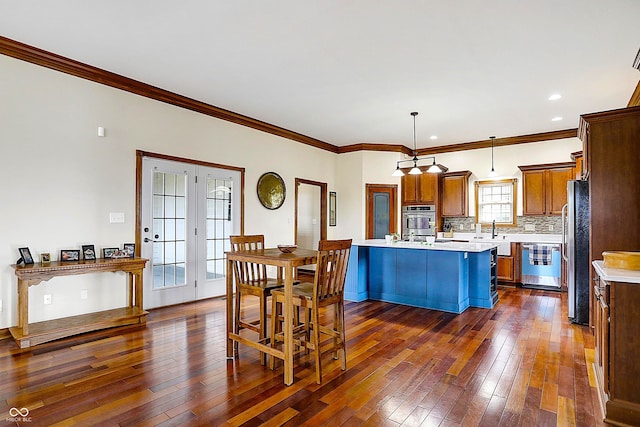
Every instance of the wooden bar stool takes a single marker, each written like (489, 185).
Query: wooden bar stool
(251, 279)
(326, 290)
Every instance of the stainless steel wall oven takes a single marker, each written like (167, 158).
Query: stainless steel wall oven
(418, 222)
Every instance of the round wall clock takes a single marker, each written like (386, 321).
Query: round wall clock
(271, 190)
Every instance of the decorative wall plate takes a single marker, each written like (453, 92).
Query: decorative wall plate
(271, 190)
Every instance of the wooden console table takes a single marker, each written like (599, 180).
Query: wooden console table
(27, 335)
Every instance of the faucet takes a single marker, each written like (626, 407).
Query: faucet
(493, 230)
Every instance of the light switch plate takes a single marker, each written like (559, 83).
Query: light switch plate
(529, 227)
(116, 217)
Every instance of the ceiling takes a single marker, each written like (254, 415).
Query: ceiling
(350, 72)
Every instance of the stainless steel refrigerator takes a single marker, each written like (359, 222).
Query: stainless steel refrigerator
(575, 239)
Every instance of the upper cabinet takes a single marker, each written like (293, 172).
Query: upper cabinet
(545, 187)
(423, 189)
(578, 169)
(455, 194)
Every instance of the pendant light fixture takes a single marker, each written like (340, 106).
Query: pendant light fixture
(415, 170)
(493, 171)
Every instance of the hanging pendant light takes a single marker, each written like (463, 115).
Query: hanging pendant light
(415, 170)
(493, 171)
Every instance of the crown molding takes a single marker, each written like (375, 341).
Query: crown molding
(78, 69)
(75, 68)
(501, 142)
(635, 97)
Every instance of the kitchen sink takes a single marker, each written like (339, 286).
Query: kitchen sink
(504, 246)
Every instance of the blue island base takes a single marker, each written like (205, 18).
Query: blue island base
(444, 280)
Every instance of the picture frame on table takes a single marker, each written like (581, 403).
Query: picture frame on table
(332, 208)
(45, 257)
(88, 252)
(109, 252)
(130, 248)
(69, 255)
(25, 256)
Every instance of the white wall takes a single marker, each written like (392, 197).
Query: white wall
(59, 181)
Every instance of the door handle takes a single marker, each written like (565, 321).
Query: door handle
(564, 217)
(147, 240)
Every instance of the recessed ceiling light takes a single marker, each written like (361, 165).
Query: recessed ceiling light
(555, 97)
(433, 137)
(556, 119)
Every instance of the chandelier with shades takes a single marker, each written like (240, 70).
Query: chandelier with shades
(415, 170)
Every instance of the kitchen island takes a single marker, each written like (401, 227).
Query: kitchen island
(449, 276)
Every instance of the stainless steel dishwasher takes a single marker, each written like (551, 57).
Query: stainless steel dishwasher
(541, 265)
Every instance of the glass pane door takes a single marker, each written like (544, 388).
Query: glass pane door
(168, 213)
(169, 229)
(188, 213)
(220, 220)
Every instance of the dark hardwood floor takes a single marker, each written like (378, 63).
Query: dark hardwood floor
(521, 363)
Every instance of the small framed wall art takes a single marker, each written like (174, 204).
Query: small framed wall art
(130, 248)
(332, 208)
(109, 252)
(69, 255)
(88, 252)
(25, 256)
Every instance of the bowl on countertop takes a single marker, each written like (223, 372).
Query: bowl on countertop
(287, 249)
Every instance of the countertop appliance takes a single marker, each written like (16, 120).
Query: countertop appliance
(418, 222)
(575, 238)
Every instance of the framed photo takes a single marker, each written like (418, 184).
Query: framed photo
(130, 248)
(109, 252)
(88, 252)
(69, 255)
(332, 208)
(25, 255)
(45, 257)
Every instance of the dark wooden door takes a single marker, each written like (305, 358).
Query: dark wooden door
(382, 207)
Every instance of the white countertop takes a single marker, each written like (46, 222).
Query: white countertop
(444, 246)
(515, 237)
(616, 274)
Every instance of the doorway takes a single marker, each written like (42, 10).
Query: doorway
(186, 213)
(382, 208)
(310, 214)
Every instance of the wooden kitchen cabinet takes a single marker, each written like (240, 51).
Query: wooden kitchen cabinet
(616, 320)
(455, 194)
(610, 152)
(506, 268)
(509, 265)
(545, 187)
(423, 189)
(577, 169)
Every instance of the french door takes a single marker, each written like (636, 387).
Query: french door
(188, 212)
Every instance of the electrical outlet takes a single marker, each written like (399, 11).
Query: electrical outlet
(550, 227)
(461, 226)
(47, 299)
(84, 294)
(529, 227)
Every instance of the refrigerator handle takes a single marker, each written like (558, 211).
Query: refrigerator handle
(564, 218)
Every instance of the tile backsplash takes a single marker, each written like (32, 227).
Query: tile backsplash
(525, 224)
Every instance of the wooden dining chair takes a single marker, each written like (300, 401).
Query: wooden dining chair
(251, 279)
(326, 290)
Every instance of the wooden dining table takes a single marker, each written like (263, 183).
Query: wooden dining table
(286, 264)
